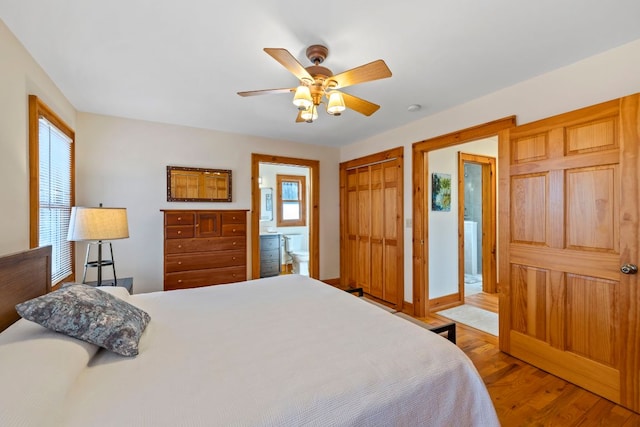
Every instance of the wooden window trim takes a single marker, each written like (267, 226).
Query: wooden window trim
(301, 180)
(38, 109)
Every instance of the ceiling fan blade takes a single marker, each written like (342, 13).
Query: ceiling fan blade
(360, 105)
(365, 73)
(266, 91)
(289, 62)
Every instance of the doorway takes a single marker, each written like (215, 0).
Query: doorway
(422, 202)
(476, 224)
(313, 202)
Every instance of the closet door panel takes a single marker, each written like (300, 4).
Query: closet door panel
(392, 271)
(364, 230)
(377, 230)
(351, 226)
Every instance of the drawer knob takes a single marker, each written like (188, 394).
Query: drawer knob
(234, 230)
(234, 243)
(179, 246)
(179, 218)
(179, 280)
(179, 262)
(234, 258)
(179, 232)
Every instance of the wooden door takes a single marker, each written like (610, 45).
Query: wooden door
(384, 230)
(568, 222)
(371, 226)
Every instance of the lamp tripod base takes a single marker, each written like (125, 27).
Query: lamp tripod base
(99, 263)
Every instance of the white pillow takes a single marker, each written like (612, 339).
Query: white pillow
(116, 291)
(38, 368)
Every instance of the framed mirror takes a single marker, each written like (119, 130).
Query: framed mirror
(266, 204)
(186, 184)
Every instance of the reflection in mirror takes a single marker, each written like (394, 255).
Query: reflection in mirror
(266, 204)
(198, 185)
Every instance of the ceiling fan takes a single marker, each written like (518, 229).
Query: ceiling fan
(318, 83)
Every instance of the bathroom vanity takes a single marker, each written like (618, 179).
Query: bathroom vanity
(270, 261)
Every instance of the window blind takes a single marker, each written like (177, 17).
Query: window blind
(55, 197)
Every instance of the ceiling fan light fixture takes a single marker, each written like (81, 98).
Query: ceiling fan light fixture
(302, 98)
(310, 114)
(336, 103)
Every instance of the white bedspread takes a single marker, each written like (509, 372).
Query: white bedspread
(283, 351)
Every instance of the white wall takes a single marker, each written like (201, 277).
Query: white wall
(20, 76)
(602, 77)
(122, 162)
(443, 226)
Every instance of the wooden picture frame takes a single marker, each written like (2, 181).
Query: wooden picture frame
(187, 184)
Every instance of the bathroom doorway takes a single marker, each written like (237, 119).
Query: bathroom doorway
(476, 222)
(266, 221)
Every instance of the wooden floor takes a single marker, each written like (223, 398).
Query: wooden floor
(527, 396)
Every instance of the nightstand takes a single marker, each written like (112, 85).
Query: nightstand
(125, 282)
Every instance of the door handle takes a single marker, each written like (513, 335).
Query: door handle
(629, 269)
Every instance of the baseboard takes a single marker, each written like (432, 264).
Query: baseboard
(443, 302)
(332, 282)
(407, 308)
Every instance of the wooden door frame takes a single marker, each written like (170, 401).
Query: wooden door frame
(420, 171)
(489, 220)
(394, 153)
(314, 209)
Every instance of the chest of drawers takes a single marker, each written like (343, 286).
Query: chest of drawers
(204, 247)
(269, 255)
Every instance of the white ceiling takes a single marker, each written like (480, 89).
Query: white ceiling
(182, 62)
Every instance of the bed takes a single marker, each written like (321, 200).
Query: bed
(282, 351)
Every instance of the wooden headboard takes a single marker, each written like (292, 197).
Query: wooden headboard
(23, 275)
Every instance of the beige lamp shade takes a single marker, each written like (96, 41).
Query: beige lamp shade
(98, 224)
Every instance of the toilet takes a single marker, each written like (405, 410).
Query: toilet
(293, 246)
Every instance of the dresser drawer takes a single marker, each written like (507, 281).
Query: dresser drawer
(234, 217)
(213, 244)
(269, 268)
(269, 242)
(203, 261)
(273, 254)
(197, 278)
(178, 218)
(234, 229)
(179, 231)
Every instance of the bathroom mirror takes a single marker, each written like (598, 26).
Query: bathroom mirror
(266, 204)
(186, 184)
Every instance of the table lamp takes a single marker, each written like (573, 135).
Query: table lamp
(96, 225)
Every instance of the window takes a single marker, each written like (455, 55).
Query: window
(292, 208)
(51, 161)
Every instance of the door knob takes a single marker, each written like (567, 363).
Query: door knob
(629, 269)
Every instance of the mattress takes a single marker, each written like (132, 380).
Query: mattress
(281, 351)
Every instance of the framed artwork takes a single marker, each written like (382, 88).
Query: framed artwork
(266, 204)
(441, 192)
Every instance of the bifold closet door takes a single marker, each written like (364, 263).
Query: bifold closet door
(372, 244)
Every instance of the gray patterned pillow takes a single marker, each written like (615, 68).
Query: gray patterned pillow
(86, 313)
